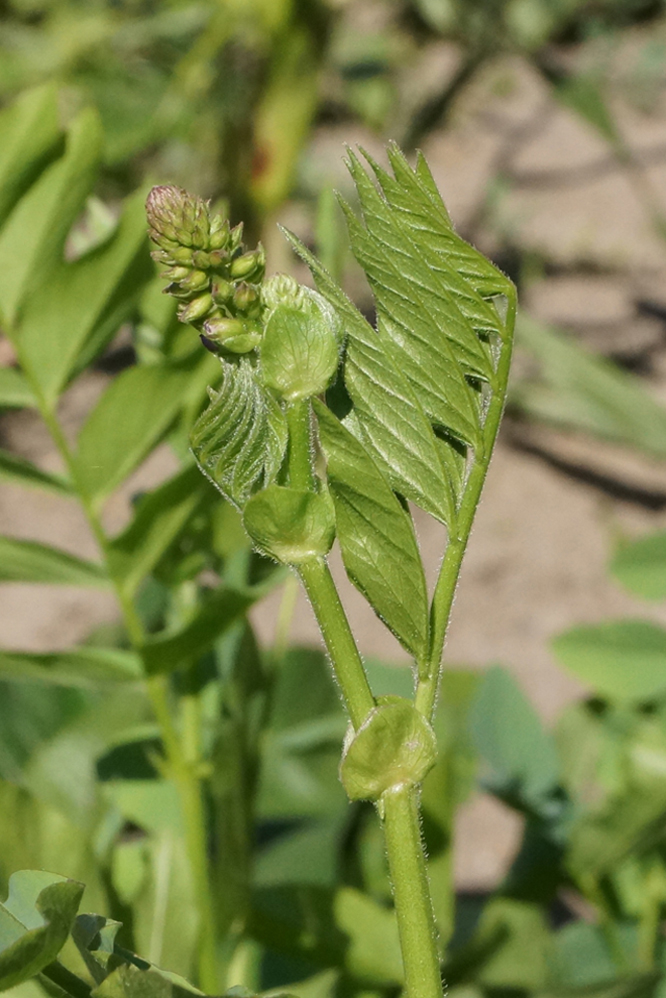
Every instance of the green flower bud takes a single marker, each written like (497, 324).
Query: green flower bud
(249, 265)
(197, 309)
(182, 255)
(233, 334)
(176, 216)
(246, 300)
(218, 259)
(299, 352)
(195, 280)
(201, 260)
(222, 291)
(219, 233)
(235, 237)
(177, 273)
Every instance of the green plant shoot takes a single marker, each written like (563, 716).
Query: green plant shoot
(422, 393)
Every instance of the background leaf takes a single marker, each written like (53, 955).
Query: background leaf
(585, 392)
(34, 234)
(34, 923)
(133, 414)
(28, 561)
(641, 566)
(622, 660)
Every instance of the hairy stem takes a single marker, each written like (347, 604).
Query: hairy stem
(416, 921)
(440, 610)
(300, 445)
(332, 619)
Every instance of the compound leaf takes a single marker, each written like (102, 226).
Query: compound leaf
(376, 535)
(29, 137)
(81, 666)
(158, 519)
(84, 301)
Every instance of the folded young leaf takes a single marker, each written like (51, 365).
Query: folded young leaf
(392, 423)
(28, 561)
(376, 535)
(34, 923)
(239, 441)
(21, 472)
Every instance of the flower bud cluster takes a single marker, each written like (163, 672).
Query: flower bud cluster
(211, 274)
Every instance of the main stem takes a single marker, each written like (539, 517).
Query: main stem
(416, 922)
(407, 866)
(183, 772)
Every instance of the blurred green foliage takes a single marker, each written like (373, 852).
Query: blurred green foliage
(223, 97)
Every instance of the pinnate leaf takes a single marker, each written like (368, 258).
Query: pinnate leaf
(86, 665)
(158, 519)
(376, 535)
(29, 137)
(15, 392)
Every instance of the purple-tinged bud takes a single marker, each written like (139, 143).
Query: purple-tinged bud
(218, 259)
(222, 291)
(197, 309)
(176, 216)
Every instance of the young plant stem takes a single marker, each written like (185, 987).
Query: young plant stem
(332, 619)
(184, 775)
(407, 866)
(300, 445)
